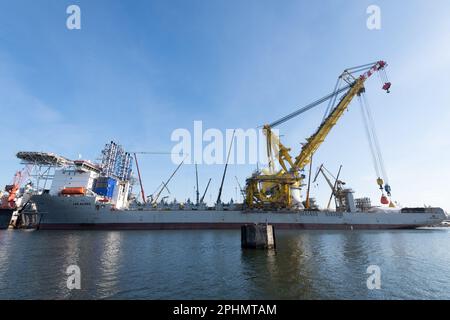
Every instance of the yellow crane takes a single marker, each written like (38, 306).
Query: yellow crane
(271, 189)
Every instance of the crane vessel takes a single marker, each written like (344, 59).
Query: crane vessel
(87, 195)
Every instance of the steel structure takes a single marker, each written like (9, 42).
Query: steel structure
(279, 189)
(40, 167)
(116, 162)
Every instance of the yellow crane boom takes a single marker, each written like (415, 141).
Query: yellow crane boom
(274, 189)
(315, 140)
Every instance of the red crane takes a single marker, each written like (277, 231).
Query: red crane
(12, 189)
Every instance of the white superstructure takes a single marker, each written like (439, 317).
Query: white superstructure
(72, 177)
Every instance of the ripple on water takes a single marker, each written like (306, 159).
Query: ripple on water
(211, 265)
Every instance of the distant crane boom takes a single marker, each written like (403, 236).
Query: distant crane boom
(197, 193)
(166, 183)
(219, 196)
(206, 189)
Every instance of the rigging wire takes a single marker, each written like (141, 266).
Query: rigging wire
(363, 67)
(309, 106)
(369, 137)
(347, 76)
(329, 172)
(374, 145)
(333, 99)
(375, 138)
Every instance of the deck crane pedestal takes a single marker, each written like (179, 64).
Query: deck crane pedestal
(281, 189)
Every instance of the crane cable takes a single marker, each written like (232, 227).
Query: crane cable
(369, 138)
(382, 75)
(377, 158)
(375, 138)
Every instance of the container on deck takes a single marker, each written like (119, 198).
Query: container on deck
(104, 186)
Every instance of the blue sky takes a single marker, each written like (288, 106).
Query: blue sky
(137, 70)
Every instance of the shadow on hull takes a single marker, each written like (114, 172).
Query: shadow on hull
(5, 218)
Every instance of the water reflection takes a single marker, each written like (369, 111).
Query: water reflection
(212, 265)
(284, 273)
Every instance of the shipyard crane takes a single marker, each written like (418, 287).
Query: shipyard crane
(281, 188)
(337, 187)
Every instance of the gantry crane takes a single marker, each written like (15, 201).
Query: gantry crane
(281, 189)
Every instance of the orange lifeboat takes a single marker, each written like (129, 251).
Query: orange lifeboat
(74, 191)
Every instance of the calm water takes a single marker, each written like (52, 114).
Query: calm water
(211, 265)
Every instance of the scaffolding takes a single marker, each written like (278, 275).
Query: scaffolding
(116, 162)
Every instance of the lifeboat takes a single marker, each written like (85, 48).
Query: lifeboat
(74, 191)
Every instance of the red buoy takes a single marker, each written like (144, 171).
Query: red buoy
(384, 199)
